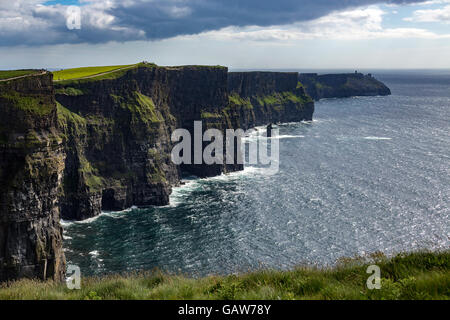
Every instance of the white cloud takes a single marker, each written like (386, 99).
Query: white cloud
(357, 24)
(417, 3)
(31, 23)
(431, 15)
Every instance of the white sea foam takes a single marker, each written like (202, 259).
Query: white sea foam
(189, 185)
(259, 129)
(377, 138)
(90, 220)
(178, 193)
(248, 171)
(94, 253)
(286, 137)
(257, 137)
(66, 223)
(111, 214)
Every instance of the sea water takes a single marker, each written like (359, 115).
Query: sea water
(368, 174)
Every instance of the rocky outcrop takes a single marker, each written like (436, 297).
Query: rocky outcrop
(31, 167)
(342, 85)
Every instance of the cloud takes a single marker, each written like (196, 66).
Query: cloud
(30, 22)
(431, 15)
(355, 24)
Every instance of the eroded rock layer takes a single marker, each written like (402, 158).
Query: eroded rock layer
(31, 169)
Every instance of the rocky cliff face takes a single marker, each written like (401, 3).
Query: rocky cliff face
(31, 166)
(117, 131)
(117, 134)
(342, 85)
(117, 137)
(248, 84)
(252, 103)
(78, 147)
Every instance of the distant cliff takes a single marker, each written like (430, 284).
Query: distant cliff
(31, 167)
(267, 97)
(342, 85)
(77, 147)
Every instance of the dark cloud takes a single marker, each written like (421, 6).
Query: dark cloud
(163, 19)
(160, 19)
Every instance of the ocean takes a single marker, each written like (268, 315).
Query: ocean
(369, 174)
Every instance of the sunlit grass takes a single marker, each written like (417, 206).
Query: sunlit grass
(408, 276)
(80, 73)
(7, 74)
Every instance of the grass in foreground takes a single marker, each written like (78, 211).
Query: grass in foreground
(407, 276)
(80, 73)
(7, 74)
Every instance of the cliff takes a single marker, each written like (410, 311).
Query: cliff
(259, 98)
(31, 166)
(117, 134)
(77, 147)
(342, 85)
(117, 140)
(117, 130)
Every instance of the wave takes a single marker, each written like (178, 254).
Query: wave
(377, 138)
(193, 183)
(94, 253)
(178, 193)
(111, 214)
(286, 137)
(261, 137)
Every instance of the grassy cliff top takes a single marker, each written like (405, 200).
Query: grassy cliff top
(8, 74)
(406, 276)
(87, 72)
(107, 72)
(192, 66)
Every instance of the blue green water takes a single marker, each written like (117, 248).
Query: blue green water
(368, 174)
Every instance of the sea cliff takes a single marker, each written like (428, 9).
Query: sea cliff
(259, 98)
(31, 168)
(342, 85)
(77, 147)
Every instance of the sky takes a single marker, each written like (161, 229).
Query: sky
(240, 34)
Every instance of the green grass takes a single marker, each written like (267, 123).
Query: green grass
(35, 104)
(7, 74)
(407, 276)
(69, 91)
(239, 101)
(210, 115)
(282, 98)
(80, 73)
(65, 116)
